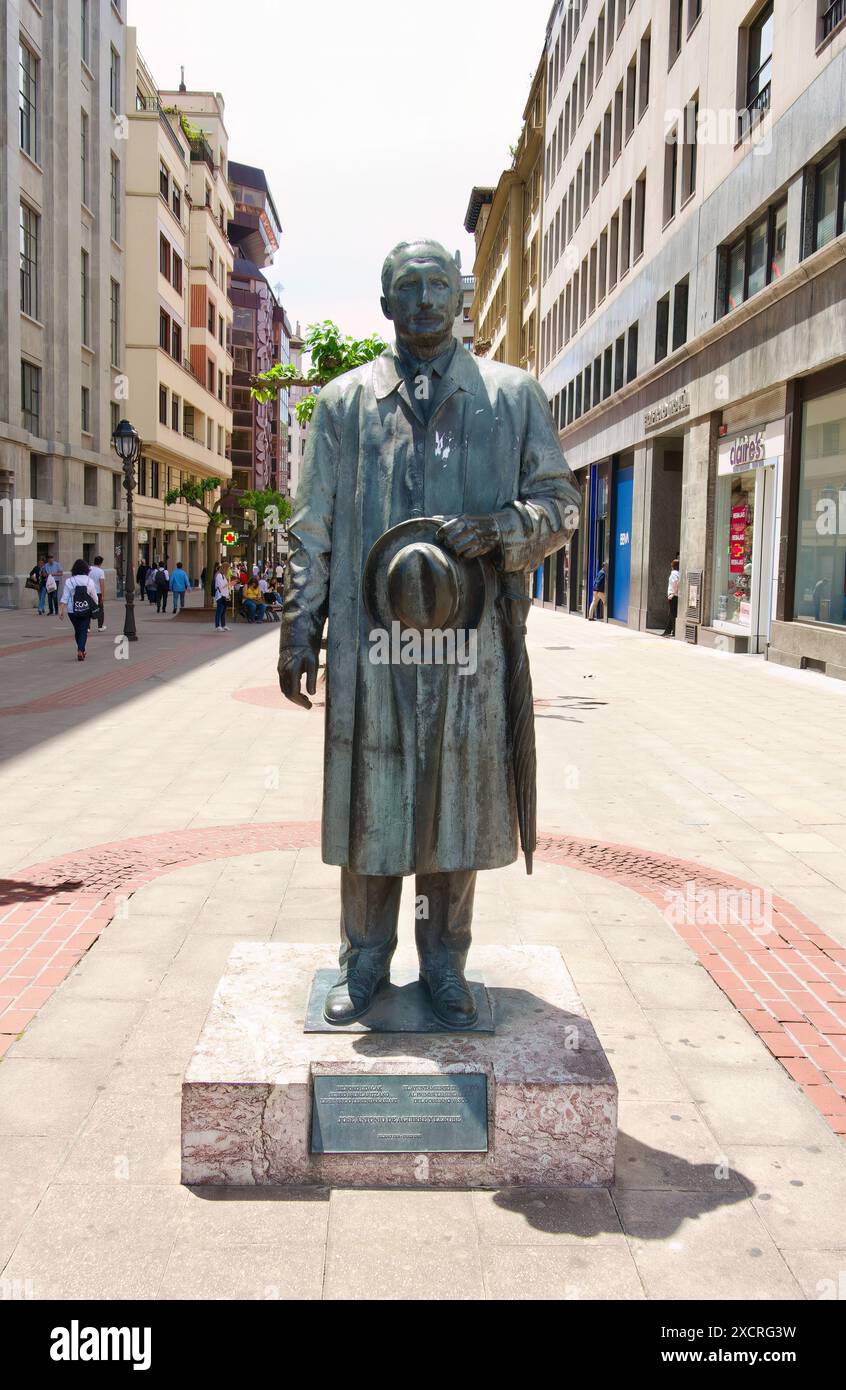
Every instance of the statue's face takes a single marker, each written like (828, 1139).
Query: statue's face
(422, 300)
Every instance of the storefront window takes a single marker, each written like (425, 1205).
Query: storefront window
(757, 258)
(736, 273)
(826, 218)
(821, 542)
(735, 523)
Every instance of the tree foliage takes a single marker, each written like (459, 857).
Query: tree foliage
(332, 353)
(197, 494)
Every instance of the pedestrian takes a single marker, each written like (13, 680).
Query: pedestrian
(150, 582)
(280, 574)
(673, 585)
(203, 573)
(598, 591)
(253, 605)
(98, 575)
(140, 576)
(179, 582)
(162, 583)
(220, 589)
(52, 574)
(38, 580)
(80, 600)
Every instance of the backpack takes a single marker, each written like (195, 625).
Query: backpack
(81, 603)
(161, 579)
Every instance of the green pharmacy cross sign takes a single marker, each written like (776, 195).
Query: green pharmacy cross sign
(230, 537)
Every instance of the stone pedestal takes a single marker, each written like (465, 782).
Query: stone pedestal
(248, 1092)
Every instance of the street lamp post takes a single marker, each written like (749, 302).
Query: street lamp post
(127, 445)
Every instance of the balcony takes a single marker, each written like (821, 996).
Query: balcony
(755, 111)
(833, 16)
(201, 152)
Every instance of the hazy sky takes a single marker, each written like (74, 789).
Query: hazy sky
(371, 120)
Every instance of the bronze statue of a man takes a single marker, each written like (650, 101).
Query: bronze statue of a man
(418, 768)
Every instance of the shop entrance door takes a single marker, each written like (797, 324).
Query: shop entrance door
(621, 572)
(763, 552)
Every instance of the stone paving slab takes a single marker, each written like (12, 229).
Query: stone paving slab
(716, 1133)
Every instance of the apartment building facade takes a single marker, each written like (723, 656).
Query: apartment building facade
(179, 368)
(62, 286)
(506, 223)
(261, 337)
(693, 334)
(463, 329)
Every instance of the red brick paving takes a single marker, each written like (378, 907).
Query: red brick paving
(125, 673)
(15, 648)
(786, 977)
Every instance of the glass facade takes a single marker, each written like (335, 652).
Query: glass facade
(733, 542)
(821, 539)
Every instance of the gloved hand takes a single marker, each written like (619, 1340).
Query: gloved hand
(293, 665)
(469, 536)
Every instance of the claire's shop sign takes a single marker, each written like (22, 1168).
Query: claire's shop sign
(752, 449)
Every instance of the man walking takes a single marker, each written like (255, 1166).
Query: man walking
(52, 574)
(418, 774)
(673, 584)
(162, 584)
(179, 583)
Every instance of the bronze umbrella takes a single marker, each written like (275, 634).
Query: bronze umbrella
(514, 605)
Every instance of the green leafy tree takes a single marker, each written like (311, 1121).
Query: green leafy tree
(332, 353)
(271, 509)
(200, 494)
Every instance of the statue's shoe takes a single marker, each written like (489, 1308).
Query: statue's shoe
(352, 994)
(451, 997)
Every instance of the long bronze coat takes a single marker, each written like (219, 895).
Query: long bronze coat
(417, 758)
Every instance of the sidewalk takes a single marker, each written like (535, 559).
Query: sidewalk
(658, 762)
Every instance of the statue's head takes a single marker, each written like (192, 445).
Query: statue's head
(421, 294)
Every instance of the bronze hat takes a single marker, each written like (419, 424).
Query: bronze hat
(410, 578)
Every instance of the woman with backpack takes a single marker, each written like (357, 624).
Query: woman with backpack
(81, 602)
(220, 589)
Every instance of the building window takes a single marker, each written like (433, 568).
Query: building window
(164, 330)
(643, 73)
(115, 197)
(28, 100)
(211, 319)
(86, 410)
(626, 235)
(154, 477)
(85, 138)
(114, 82)
(639, 217)
(176, 203)
(117, 500)
(755, 258)
(631, 95)
(162, 405)
(85, 290)
(85, 31)
(694, 10)
(89, 486)
(164, 256)
(671, 164)
(830, 198)
(619, 361)
(631, 355)
(662, 328)
(176, 342)
(820, 594)
(114, 323)
(676, 12)
(174, 413)
(680, 296)
(618, 122)
(164, 181)
(688, 177)
(114, 415)
(176, 278)
(31, 397)
(210, 375)
(759, 63)
(29, 238)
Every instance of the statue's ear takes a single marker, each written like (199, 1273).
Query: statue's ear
(385, 310)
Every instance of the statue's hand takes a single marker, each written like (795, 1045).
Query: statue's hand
(469, 536)
(293, 665)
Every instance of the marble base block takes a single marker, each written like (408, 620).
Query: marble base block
(247, 1094)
